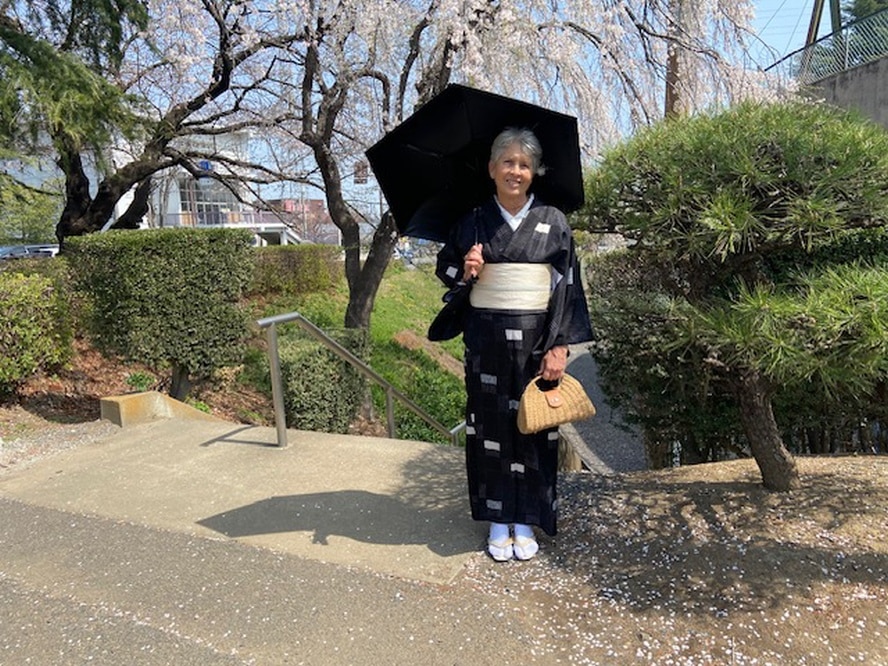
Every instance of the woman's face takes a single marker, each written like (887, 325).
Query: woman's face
(512, 172)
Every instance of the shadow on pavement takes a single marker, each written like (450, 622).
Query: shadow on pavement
(356, 514)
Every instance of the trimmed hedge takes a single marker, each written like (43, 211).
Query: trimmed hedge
(296, 269)
(35, 330)
(166, 297)
(321, 391)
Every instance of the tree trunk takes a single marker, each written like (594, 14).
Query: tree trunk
(77, 197)
(136, 211)
(364, 281)
(180, 386)
(84, 213)
(778, 467)
(691, 451)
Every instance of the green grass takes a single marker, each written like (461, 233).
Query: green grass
(407, 300)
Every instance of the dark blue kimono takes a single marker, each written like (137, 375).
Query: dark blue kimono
(512, 476)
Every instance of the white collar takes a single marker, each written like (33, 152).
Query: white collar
(517, 218)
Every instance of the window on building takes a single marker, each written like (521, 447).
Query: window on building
(207, 200)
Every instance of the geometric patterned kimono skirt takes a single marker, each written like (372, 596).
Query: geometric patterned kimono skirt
(512, 477)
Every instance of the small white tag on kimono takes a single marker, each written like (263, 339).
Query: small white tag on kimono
(495, 505)
(517, 467)
(542, 228)
(451, 272)
(513, 404)
(490, 445)
(488, 379)
(514, 334)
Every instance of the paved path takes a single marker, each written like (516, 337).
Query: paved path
(606, 444)
(196, 542)
(78, 588)
(199, 542)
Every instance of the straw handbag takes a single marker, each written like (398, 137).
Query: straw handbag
(541, 409)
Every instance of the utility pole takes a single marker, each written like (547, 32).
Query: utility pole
(835, 17)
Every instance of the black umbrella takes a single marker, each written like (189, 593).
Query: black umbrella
(432, 168)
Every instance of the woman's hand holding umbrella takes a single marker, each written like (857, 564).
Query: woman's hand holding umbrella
(474, 262)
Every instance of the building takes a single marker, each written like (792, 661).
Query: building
(182, 200)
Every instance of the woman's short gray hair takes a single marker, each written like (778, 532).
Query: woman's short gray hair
(530, 145)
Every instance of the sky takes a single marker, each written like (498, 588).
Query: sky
(783, 25)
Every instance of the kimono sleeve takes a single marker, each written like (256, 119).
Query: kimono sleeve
(449, 267)
(568, 312)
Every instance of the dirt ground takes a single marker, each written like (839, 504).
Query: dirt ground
(696, 565)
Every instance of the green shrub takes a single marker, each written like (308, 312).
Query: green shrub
(296, 269)
(56, 270)
(749, 298)
(439, 393)
(166, 297)
(140, 381)
(665, 388)
(321, 391)
(35, 332)
(443, 398)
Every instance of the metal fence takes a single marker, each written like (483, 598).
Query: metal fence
(857, 43)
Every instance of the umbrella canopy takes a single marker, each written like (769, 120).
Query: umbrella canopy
(432, 168)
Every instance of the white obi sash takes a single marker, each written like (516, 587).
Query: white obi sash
(512, 286)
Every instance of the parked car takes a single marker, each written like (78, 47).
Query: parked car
(49, 250)
(13, 251)
(28, 251)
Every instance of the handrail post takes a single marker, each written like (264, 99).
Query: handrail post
(390, 413)
(277, 386)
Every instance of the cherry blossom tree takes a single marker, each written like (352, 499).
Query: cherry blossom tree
(314, 83)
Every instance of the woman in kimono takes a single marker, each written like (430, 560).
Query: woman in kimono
(527, 305)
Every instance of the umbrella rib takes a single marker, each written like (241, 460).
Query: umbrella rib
(424, 151)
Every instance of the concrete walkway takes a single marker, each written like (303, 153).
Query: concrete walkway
(193, 542)
(389, 506)
(606, 443)
(183, 541)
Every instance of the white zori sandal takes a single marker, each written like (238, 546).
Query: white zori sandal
(499, 542)
(525, 548)
(501, 549)
(525, 545)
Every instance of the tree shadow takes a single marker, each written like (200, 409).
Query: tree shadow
(59, 407)
(428, 507)
(718, 547)
(356, 514)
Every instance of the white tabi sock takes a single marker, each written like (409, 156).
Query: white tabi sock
(525, 545)
(524, 531)
(499, 532)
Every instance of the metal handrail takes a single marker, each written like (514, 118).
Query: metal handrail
(277, 389)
